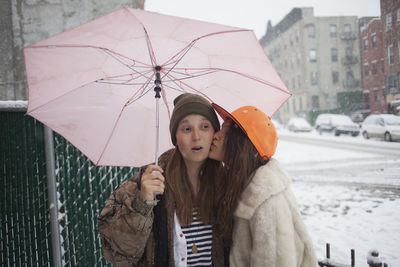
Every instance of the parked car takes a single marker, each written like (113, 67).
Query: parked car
(337, 124)
(298, 125)
(386, 126)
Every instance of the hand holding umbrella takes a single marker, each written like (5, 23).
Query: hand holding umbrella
(152, 182)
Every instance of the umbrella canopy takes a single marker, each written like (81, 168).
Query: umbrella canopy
(94, 84)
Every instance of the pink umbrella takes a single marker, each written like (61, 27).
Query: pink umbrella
(94, 84)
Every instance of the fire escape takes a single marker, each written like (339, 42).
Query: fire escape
(349, 60)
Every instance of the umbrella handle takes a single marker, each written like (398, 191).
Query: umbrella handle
(157, 195)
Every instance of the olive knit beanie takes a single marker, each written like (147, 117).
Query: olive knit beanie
(186, 104)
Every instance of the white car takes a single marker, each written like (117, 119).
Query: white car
(298, 125)
(386, 126)
(337, 124)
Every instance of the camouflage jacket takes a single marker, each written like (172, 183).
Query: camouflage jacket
(126, 226)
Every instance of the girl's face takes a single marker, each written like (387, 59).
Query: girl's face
(217, 151)
(194, 137)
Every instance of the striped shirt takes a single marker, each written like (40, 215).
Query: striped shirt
(200, 235)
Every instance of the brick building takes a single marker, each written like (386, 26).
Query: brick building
(390, 16)
(372, 56)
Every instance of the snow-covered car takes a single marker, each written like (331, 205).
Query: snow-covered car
(298, 125)
(337, 124)
(386, 126)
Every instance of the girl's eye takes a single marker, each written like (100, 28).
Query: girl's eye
(186, 129)
(205, 126)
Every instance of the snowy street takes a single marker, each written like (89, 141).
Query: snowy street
(348, 193)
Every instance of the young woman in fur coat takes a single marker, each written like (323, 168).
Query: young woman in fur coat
(267, 226)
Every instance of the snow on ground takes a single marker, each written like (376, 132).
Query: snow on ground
(348, 199)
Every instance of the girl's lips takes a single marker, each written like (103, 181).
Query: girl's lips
(197, 148)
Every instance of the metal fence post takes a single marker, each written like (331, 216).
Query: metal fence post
(53, 200)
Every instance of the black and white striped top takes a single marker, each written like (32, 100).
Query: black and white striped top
(201, 235)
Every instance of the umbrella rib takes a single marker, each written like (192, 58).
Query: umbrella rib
(50, 46)
(127, 103)
(150, 48)
(187, 85)
(115, 56)
(142, 90)
(190, 45)
(124, 82)
(255, 79)
(60, 96)
(164, 96)
(118, 57)
(182, 53)
(212, 70)
(190, 76)
(174, 88)
(77, 88)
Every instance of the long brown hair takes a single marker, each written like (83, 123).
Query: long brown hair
(241, 160)
(178, 184)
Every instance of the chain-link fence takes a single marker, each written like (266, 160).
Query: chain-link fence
(25, 230)
(82, 190)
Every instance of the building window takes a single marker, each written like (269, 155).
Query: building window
(315, 101)
(334, 54)
(349, 52)
(390, 54)
(332, 30)
(374, 68)
(314, 78)
(388, 21)
(376, 96)
(398, 50)
(373, 37)
(366, 44)
(298, 82)
(313, 55)
(398, 16)
(383, 66)
(366, 70)
(335, 77)
(366, 99)
(347, 28)
(311, 31)
(392, 81)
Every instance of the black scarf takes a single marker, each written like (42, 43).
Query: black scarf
(160, 230)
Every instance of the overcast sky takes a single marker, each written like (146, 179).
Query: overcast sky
(254, 14)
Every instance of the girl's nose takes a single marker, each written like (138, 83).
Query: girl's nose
(195, 134)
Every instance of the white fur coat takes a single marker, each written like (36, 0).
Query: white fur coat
(268, 228)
